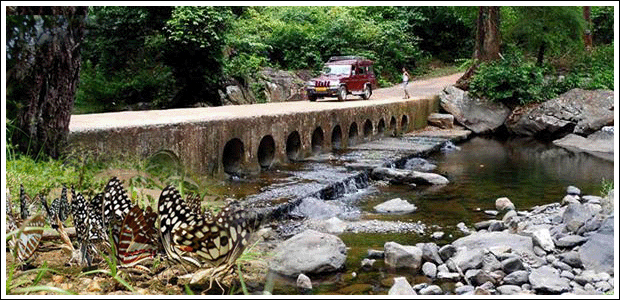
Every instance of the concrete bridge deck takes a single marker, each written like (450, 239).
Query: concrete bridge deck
(239, 138)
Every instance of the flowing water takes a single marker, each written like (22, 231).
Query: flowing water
(480, 170)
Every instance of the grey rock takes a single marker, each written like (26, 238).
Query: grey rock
(570, 199)
(467, 259)
(567, 274)
(578, 111)
(491, 212)
(503, 204)
(453, 276)
(546, 279)
(490, 262)
(443, 121)
(539, 251)
(585, 277)
(400, 256)
(592, 199)
(443, 268)
(573, 190)
(512, 264)
(550, 258)
(419, 164)
(483, 224)
(572, 258)
(481, 240)
(431, 290)
(542, 238)
(596, 144)
(420, 286)
(377, 254)
(438, 235)
(430, 252)
(463, 228)
(309, 252)
(478, 277)
(396, 205)
(464, 289)
(447, 251)
(575, 216)
(367, 263)
(509, 289)
(570, 241)
(603, 286)
(398, 176)
(591, 224)
(561, 266)
(477, 115)
(598, 252)
(401, 287)
(429, 269)
(304, 282)
(496, 226)
(508, 215)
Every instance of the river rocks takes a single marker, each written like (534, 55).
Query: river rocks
(511, 265)
(304, 282)
(309, 252)
(399, 176)
(598, 252)
(542, 238)
(482, 240)
(466, 258)
(419, 164)
(401, 287)
(447, 251)
(509, 289)
(478, 115)
(396, 205)
(600, 143)
(504, 204)
(516, 278)
(546, 279)
(429, 269)
(576, 111)
(431, 290)
(400, 256)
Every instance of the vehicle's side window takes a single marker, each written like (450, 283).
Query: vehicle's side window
(362, 70)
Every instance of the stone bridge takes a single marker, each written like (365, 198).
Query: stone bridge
(247, 138)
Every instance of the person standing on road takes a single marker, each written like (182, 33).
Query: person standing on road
(405, 82)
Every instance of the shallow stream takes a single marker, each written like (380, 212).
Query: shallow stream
(527, 171)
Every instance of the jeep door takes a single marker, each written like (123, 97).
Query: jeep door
(357, 81)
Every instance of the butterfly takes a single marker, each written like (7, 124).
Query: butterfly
(189, 237)
(29, 229)
(137, 238)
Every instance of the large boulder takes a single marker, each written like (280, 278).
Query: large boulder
(598, 252)
(576, 111)
(546, 279)
(309, 252)
(478, 115)
(402, 256)
(400, 176)
(401, 287)
(490, 240)
(600, 143)
(395, 205)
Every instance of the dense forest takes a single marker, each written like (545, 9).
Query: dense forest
(177, 56)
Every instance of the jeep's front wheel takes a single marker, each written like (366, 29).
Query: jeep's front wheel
(312, 97)
(342, 93)
(367, 92)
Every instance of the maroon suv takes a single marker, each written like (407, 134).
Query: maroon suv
(343, 75)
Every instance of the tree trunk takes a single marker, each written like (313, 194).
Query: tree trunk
(44, 78)
(488, 42)
(541, 54)
(587, 35)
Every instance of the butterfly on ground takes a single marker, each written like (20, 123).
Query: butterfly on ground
(137, 238)
(189, 237)
(26, 231)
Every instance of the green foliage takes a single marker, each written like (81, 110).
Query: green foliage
(517, 80)
(602, 24)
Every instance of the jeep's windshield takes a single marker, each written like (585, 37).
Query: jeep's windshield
(337, 69)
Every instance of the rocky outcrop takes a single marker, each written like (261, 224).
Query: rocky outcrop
(577, 111)
(270, 85)
(400, 176)
(600, 143)
(478, 115)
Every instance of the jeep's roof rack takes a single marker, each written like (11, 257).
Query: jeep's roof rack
(349, 57)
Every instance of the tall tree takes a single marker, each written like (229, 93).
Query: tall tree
(43, 66)
(488, 41)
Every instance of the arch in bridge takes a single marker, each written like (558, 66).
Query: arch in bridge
(367, 128)
(266, 151)
(232, 156)
(404, 122)
(165, 162)
(293, 146)
(381, 127)
(352, 133)
(317, 140)
(337, 137)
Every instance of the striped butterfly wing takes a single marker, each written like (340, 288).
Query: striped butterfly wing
(116, 205)
(24, 203)
(28, 241)
(212, 241)
(173, 213)
(64, 209)
(135, 242)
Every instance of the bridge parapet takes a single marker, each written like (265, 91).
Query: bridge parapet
(226, 140)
